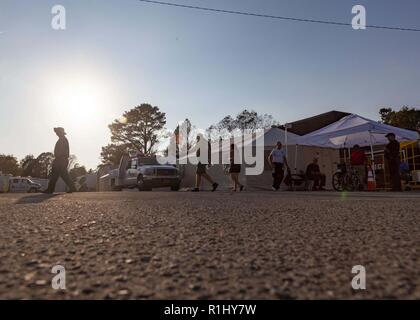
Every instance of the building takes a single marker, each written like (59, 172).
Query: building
(311, 124)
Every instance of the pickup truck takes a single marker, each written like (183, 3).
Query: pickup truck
(143, 173)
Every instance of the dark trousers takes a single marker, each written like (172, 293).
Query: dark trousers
(394, 173)
(278, 175)
(319, 180)
(59, 169)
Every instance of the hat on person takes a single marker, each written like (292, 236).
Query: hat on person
(390, 135)
(59, 130)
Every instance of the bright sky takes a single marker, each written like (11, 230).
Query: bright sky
(115, 55)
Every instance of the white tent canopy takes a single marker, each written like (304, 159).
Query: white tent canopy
(354, 129)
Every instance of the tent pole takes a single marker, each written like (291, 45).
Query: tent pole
(372, 154)
(345, 153)
(349, 151)
(285, 140)
(296, 152)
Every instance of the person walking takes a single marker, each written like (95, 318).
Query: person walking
(201, 171)
(392, 155)
(277, 159)
(235, 168)
(60, 163)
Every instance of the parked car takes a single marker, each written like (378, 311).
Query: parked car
(18, 184)
(144, 173)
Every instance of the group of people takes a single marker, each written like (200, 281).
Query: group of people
(359, 163)
(277, 160)
(234, 171)
(358, 160)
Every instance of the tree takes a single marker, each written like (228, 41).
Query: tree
(43, 165)
(266, 121)
(77, 171)
(40, 167)
(245, 120)
(182, 140)
(406, 117)
(9, 165)
(185, 136)
(28, 165)
(112, 153)
(140, 128)
(72, 162)
(227, 123)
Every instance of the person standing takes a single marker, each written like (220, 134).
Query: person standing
(277, 159)
(235, 168)
(358, 163)
(60, 163)
(392, 155)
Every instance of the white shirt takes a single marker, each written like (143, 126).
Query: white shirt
(278, 155)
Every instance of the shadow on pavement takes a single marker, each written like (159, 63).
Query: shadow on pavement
(35, 198)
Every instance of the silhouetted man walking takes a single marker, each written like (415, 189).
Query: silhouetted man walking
(60, 163)
(392, 154)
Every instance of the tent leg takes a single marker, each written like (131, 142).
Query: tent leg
(345, 154)
(349, 153)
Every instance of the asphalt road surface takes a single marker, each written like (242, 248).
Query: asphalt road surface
(179, 245)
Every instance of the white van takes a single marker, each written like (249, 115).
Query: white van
(18, 184)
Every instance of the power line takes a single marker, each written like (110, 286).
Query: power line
(243, 13)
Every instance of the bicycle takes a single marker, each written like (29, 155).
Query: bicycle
(346, 179)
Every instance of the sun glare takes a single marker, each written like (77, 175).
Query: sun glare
(79, 101)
